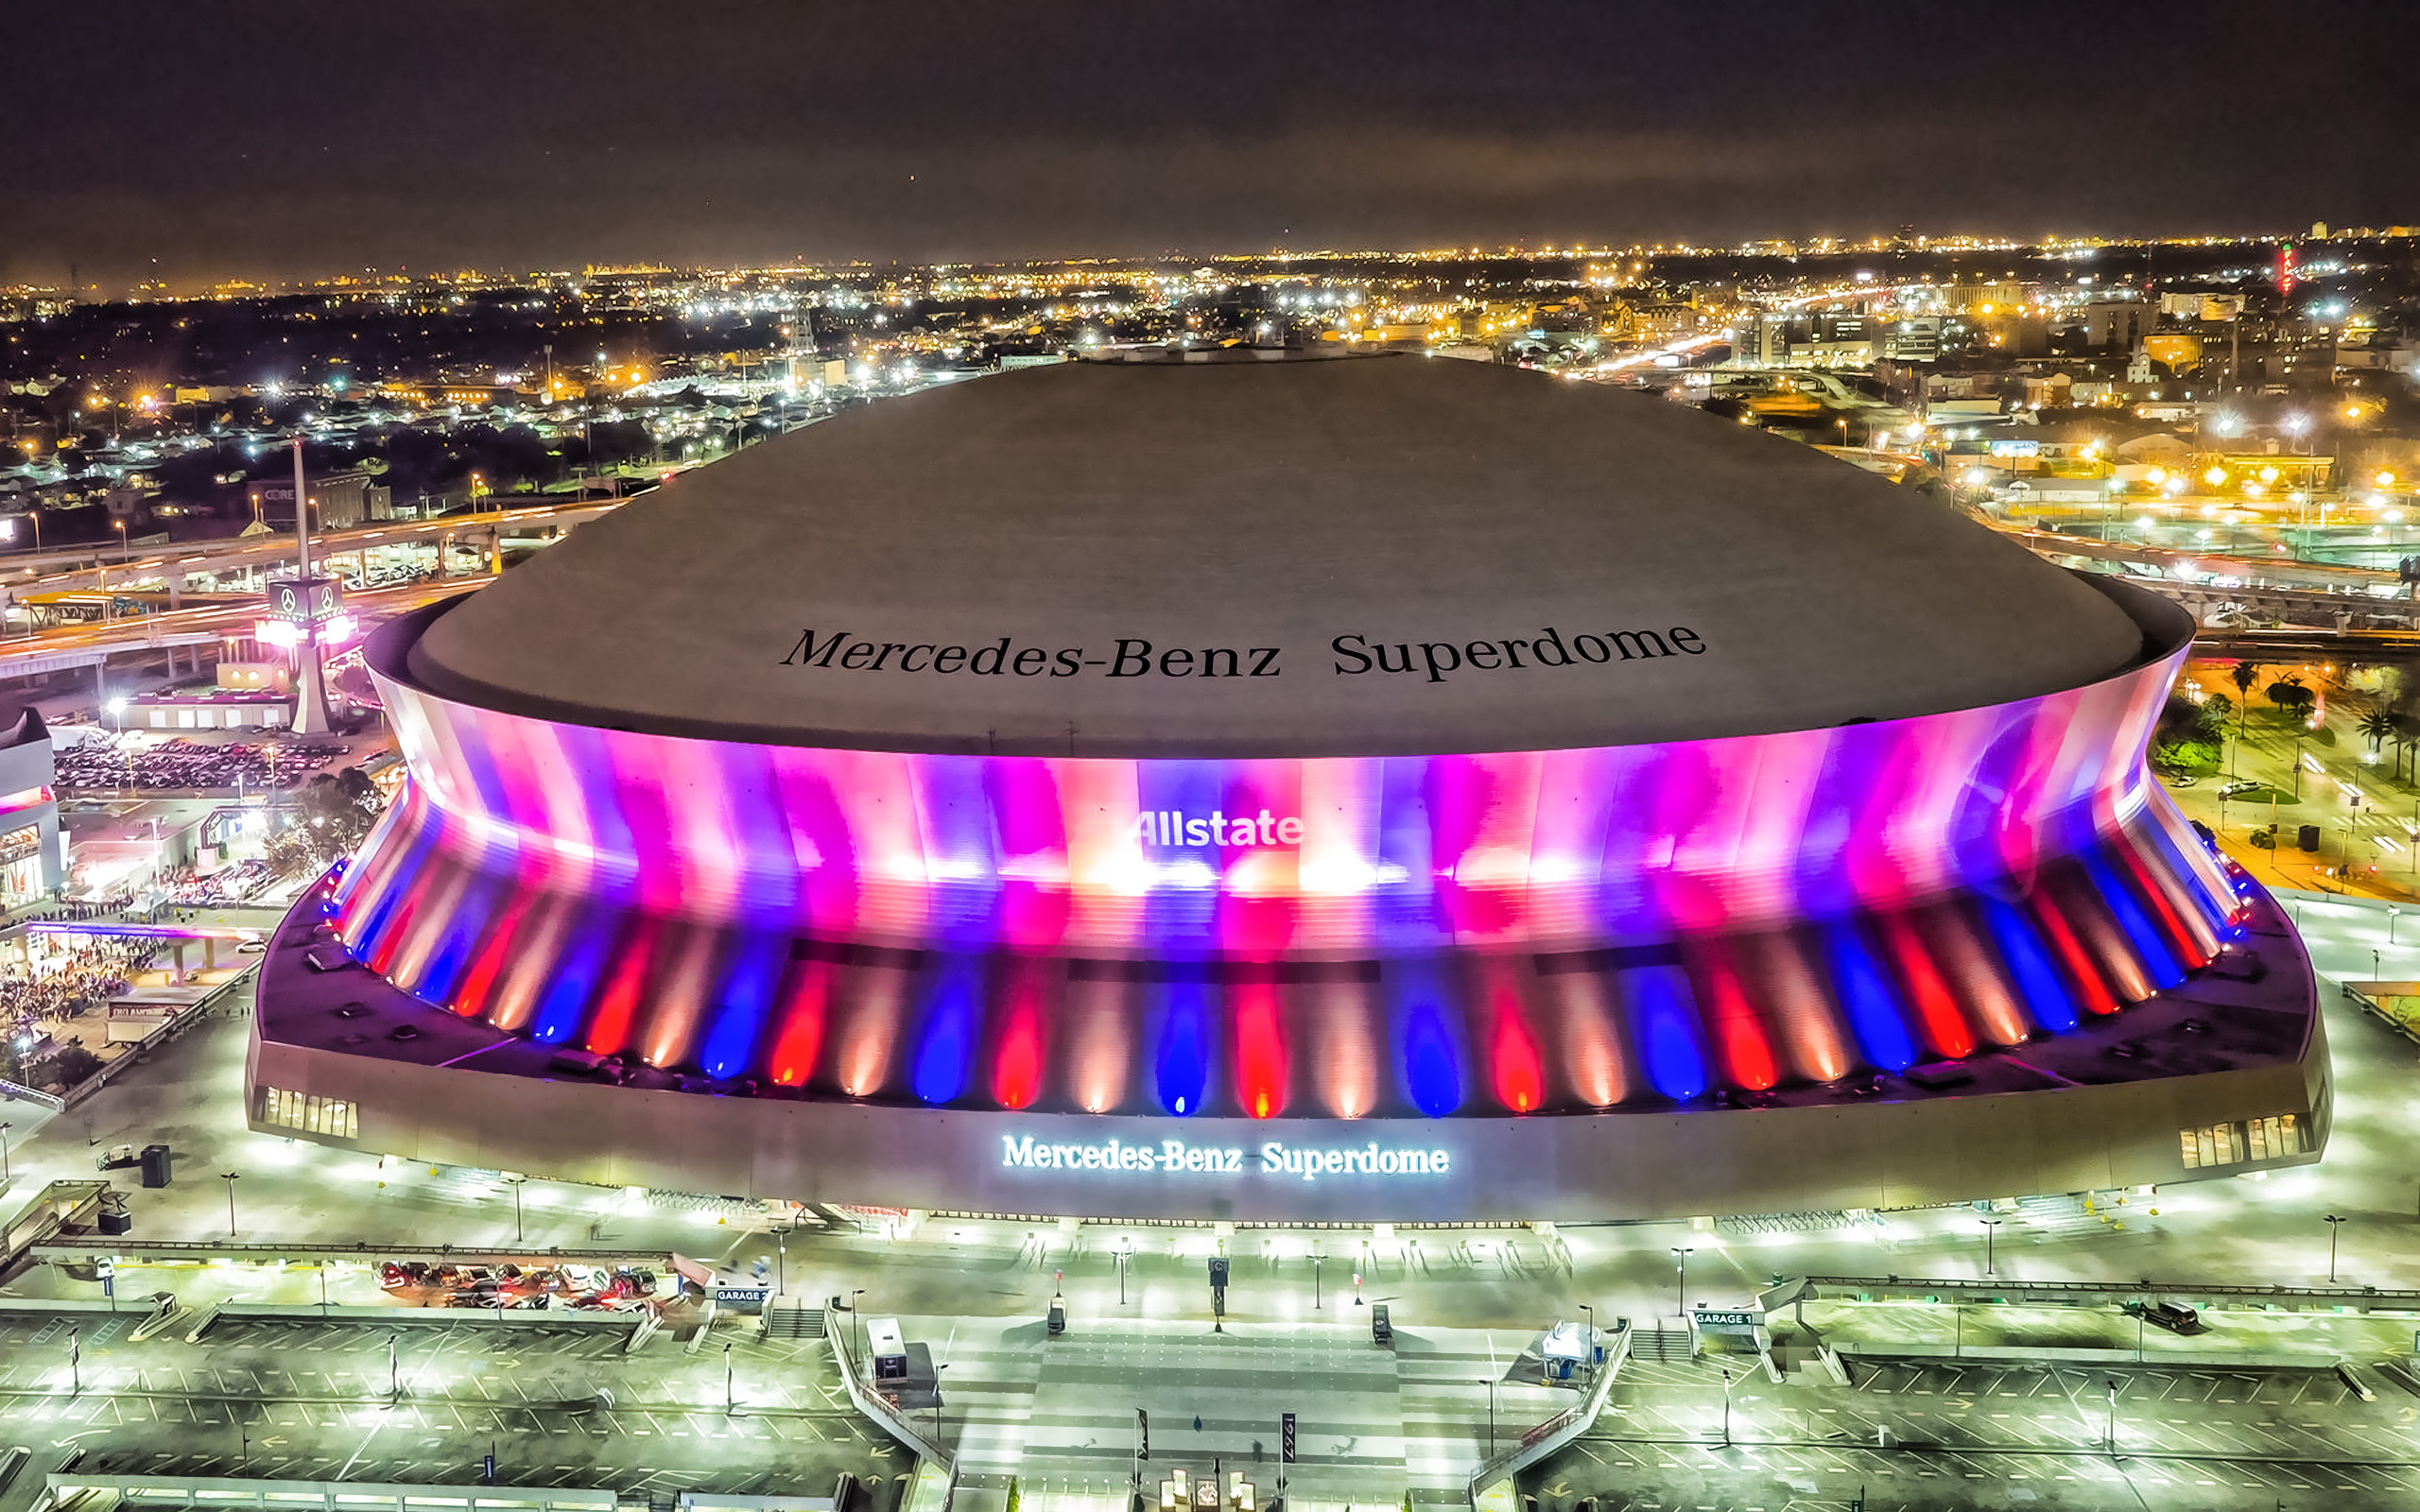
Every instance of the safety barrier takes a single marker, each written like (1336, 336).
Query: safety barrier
(886, 1416)
(371, 1316)
(1491, 1485)
(1903, 1289)
(168, 1491)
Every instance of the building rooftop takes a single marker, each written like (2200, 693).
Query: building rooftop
(1305, 558)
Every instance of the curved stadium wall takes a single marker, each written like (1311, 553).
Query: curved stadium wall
(1519, 933)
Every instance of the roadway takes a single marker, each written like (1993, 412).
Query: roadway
(89, 644)
(262, 553)
(2366, 815)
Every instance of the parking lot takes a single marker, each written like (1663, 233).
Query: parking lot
(307, 1400)
(1920, 1435)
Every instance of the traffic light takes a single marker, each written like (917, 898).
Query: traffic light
(1285, 1438)
(1219, 1272)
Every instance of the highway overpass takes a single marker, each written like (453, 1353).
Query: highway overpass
(174, 568)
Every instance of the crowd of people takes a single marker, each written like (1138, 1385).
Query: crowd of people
(218, 889)
(61, 982)
(118, 762)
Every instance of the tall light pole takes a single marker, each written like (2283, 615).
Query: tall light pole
(514, 1182)
(5, 1177)
(310, 693)
(229, 1177)
(1589, 1348)
(1991, 1232)
(2333, 1222)
(726, 1380)
(394, 1378)
(1125, 1251)
(2109, 1434)
(1727, 1406)
(74, 1362)
(1680, 1263)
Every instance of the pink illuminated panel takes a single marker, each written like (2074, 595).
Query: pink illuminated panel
(1512, 933)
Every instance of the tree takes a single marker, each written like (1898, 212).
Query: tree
(2377, 724)
(332, 816)
(70, 1065)
(2184, 740)
(2244, 674)
(2292, 699)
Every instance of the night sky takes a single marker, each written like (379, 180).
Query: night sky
(204, 138)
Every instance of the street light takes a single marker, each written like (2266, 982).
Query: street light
(1681, 1261)
(1990, 1233)
(2333, 1222)
(125, 546)
(229, 1177)
(1590, 1356)
(1125, 1252)
(6, 1179)
(394, 1380)
(74, 1362)
(2109, 1434)
(726, 1380)
(514, 1182)
(1727, 1406)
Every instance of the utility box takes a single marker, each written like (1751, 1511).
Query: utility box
(2308, 838)
(156, 1172)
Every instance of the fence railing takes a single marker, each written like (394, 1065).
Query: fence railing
(886, 1416)
(1495, 1474)
(331, 1496)
(1903, 1288)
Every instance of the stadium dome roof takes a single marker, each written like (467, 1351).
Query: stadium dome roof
(1300, 557)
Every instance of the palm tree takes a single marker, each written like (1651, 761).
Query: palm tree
(2244, 674)
(2378, 726)
(2290, 696)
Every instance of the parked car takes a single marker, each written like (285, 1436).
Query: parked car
(2172, 1316)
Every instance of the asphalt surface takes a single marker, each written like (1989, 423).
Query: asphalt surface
(295, 1401)
(1998, 1435)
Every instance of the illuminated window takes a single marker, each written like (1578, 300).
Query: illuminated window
(312, 1115)
(2260, 1139)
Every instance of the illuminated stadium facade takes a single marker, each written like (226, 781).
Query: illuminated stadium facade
(1348, 790)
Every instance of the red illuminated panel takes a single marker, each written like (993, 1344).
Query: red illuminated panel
(1335, 937)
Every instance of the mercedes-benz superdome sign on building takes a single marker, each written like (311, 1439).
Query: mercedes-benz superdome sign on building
(1369, 789)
